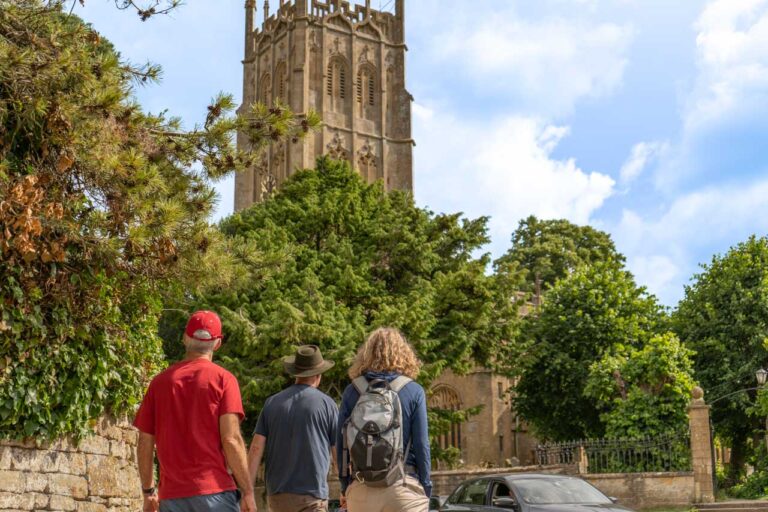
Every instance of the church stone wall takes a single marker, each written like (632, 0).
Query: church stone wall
(97, 475)
(494, 437)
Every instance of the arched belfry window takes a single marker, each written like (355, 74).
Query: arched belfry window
(446, 398)
(281, 83)
(265, 89)
(336, 84)
(366, 91)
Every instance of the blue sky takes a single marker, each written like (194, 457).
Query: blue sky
(645, 118)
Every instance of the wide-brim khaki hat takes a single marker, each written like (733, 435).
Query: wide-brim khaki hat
(307, 362)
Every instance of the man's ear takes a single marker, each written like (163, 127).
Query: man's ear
(217, 345)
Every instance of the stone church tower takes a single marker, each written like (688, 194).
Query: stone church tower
(346, 62)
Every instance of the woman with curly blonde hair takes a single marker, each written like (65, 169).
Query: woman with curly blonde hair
(384, 357)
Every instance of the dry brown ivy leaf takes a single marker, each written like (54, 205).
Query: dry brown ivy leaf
(65, 162)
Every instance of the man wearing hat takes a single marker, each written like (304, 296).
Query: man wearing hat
(296, 434)
(191, 413)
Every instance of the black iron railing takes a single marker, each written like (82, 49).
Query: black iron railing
(666, 453)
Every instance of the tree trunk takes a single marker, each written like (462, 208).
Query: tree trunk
(738, 458)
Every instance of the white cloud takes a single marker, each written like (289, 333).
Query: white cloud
(641, 155)
(655, 272)
(732, 46)
(544, 65)
(502, 168)
(662, 249)
(727, 107)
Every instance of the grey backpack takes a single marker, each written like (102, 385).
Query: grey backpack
(373, 434)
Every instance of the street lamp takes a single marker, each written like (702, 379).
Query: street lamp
(761, 375)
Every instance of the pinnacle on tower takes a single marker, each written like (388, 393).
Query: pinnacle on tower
(250, 10)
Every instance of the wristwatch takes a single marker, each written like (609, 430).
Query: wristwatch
(148, 492)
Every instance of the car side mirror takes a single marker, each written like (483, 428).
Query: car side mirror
(505, 503)
(613, 499)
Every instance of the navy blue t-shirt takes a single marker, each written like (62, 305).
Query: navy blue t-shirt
(300, 426)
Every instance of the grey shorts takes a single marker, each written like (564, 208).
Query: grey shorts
(228, 501)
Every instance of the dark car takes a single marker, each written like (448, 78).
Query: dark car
(529, 492)
(436, 502)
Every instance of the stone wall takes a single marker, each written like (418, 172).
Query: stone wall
(445, 482)
(647, 490)
(634, 490)
(97, 475)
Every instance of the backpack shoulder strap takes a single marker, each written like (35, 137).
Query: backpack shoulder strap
(361, 384)
(399, 383)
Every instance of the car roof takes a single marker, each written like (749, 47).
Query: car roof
(524, 476)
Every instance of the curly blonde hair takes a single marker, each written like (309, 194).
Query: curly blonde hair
(385, 350)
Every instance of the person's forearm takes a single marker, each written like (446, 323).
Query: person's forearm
(145, 453)
(234, 452)
(255, 455)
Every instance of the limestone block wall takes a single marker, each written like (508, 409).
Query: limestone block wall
(647, 490)
(97, 475)
(445, 482)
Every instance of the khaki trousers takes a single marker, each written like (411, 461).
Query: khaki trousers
(286, 502)
(396, 498)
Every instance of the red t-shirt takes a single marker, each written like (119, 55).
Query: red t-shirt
(181, 409)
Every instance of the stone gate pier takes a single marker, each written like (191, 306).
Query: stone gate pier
(702, 451)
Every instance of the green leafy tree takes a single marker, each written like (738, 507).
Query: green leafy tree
(596, 311)
(643, 391)
(329, 258)
(549, 250)
(724, 319)
(103, 208)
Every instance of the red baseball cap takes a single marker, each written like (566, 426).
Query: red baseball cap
(204, 326)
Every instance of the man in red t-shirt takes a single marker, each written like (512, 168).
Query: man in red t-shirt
(191, 414)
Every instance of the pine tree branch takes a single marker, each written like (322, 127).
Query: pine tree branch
(148, 12)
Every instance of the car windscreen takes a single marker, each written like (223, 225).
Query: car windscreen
(555, 491)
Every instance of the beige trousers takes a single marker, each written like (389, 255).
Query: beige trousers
(396, 498)
(286, 502)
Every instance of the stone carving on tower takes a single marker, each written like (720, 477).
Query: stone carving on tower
(345, 61)
(336, 148)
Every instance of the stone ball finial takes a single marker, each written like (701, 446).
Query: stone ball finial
(697, 393)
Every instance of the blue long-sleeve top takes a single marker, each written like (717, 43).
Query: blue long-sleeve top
(414, 405)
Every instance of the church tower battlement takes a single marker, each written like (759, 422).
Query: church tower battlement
(344, 60)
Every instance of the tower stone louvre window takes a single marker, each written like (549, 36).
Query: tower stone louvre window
(281, 78)
(337, 84)
(344, 60)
